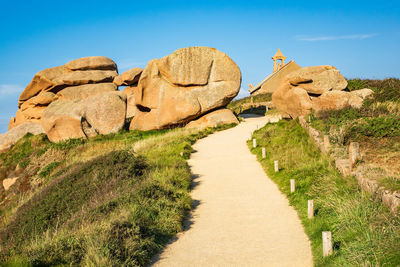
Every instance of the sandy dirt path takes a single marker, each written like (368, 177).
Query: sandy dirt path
(240, 217)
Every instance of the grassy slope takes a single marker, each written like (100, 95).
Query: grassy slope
(235, 105)
(364, 232)
(114, 200)
(376, 126)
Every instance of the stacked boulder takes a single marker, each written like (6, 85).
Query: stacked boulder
(81, 98)
(316, 88)
(74, 80)
(129, 78)
(78, 99)
(183, 86)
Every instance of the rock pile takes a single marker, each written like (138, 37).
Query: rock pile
(316, 88)
(183, 86)
(77, 79)
(81, 98)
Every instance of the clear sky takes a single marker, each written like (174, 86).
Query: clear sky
(360, 38)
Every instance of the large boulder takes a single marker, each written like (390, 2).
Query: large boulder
(85, 91)
(213, 119)
(183, 86)
(318, 79)
(293, 101)
(315, 88)
(363, 93)
(129, 77)
(92, 63)
(336, 100)
(42, 81)
(76, 72)
(100, 114)
(12, 136)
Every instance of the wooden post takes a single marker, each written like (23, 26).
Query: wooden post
(326, 243)
(276, 165)
(263, 153)
(310, 209)
(254, 143)
(292, 186)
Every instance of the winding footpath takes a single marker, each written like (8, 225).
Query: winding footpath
(240, 217)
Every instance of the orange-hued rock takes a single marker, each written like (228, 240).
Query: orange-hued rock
(85, 91)
(129, 90)
(42, 99)
(131, 108)
(92, 63)
(336, 100)
(318, 79)
(76, 72)
(291, 100)
(129, 77)
(12, 136)
(184, 85)
(100, 114)
(363, 93)
(11, 123)
(213, 119)
(42, 81)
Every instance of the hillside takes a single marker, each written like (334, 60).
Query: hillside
(111, 200)
(376, 126)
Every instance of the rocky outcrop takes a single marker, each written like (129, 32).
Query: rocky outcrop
(79, 78)
(316, 88)
(183, 86)
(85, 91)
(318, 79)
(92, 63)
(129, 77)
(101, 114)
(213, 119)
(12, 136)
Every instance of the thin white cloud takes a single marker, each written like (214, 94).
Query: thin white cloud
(337, 37)
(9, 89)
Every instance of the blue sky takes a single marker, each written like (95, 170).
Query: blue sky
(360, 38)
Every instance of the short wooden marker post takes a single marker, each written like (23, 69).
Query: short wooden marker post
(310, 209)
(263, 153)
(292, 186)
(326, 243)
(276, 165)
(254, 143)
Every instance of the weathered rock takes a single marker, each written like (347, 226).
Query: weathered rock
(318, 79)
(335, 100)
(83, 77)
(77, 72)
(106, 113)
(129, 77)
(131, 108)
(213, 119)
(129, 90)
(42, 81)
(11, 123)
(363, 93)
(85, 91)
(100, 114)
(12, 136)
(182, 86)
(92, 63)
(293, 101)
(42, 99)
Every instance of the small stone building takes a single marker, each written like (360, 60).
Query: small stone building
(272, 81)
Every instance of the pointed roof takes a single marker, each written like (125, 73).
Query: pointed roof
(279, 55)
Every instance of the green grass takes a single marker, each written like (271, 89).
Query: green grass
(364, 232)
(116, 202)
(236, 104)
